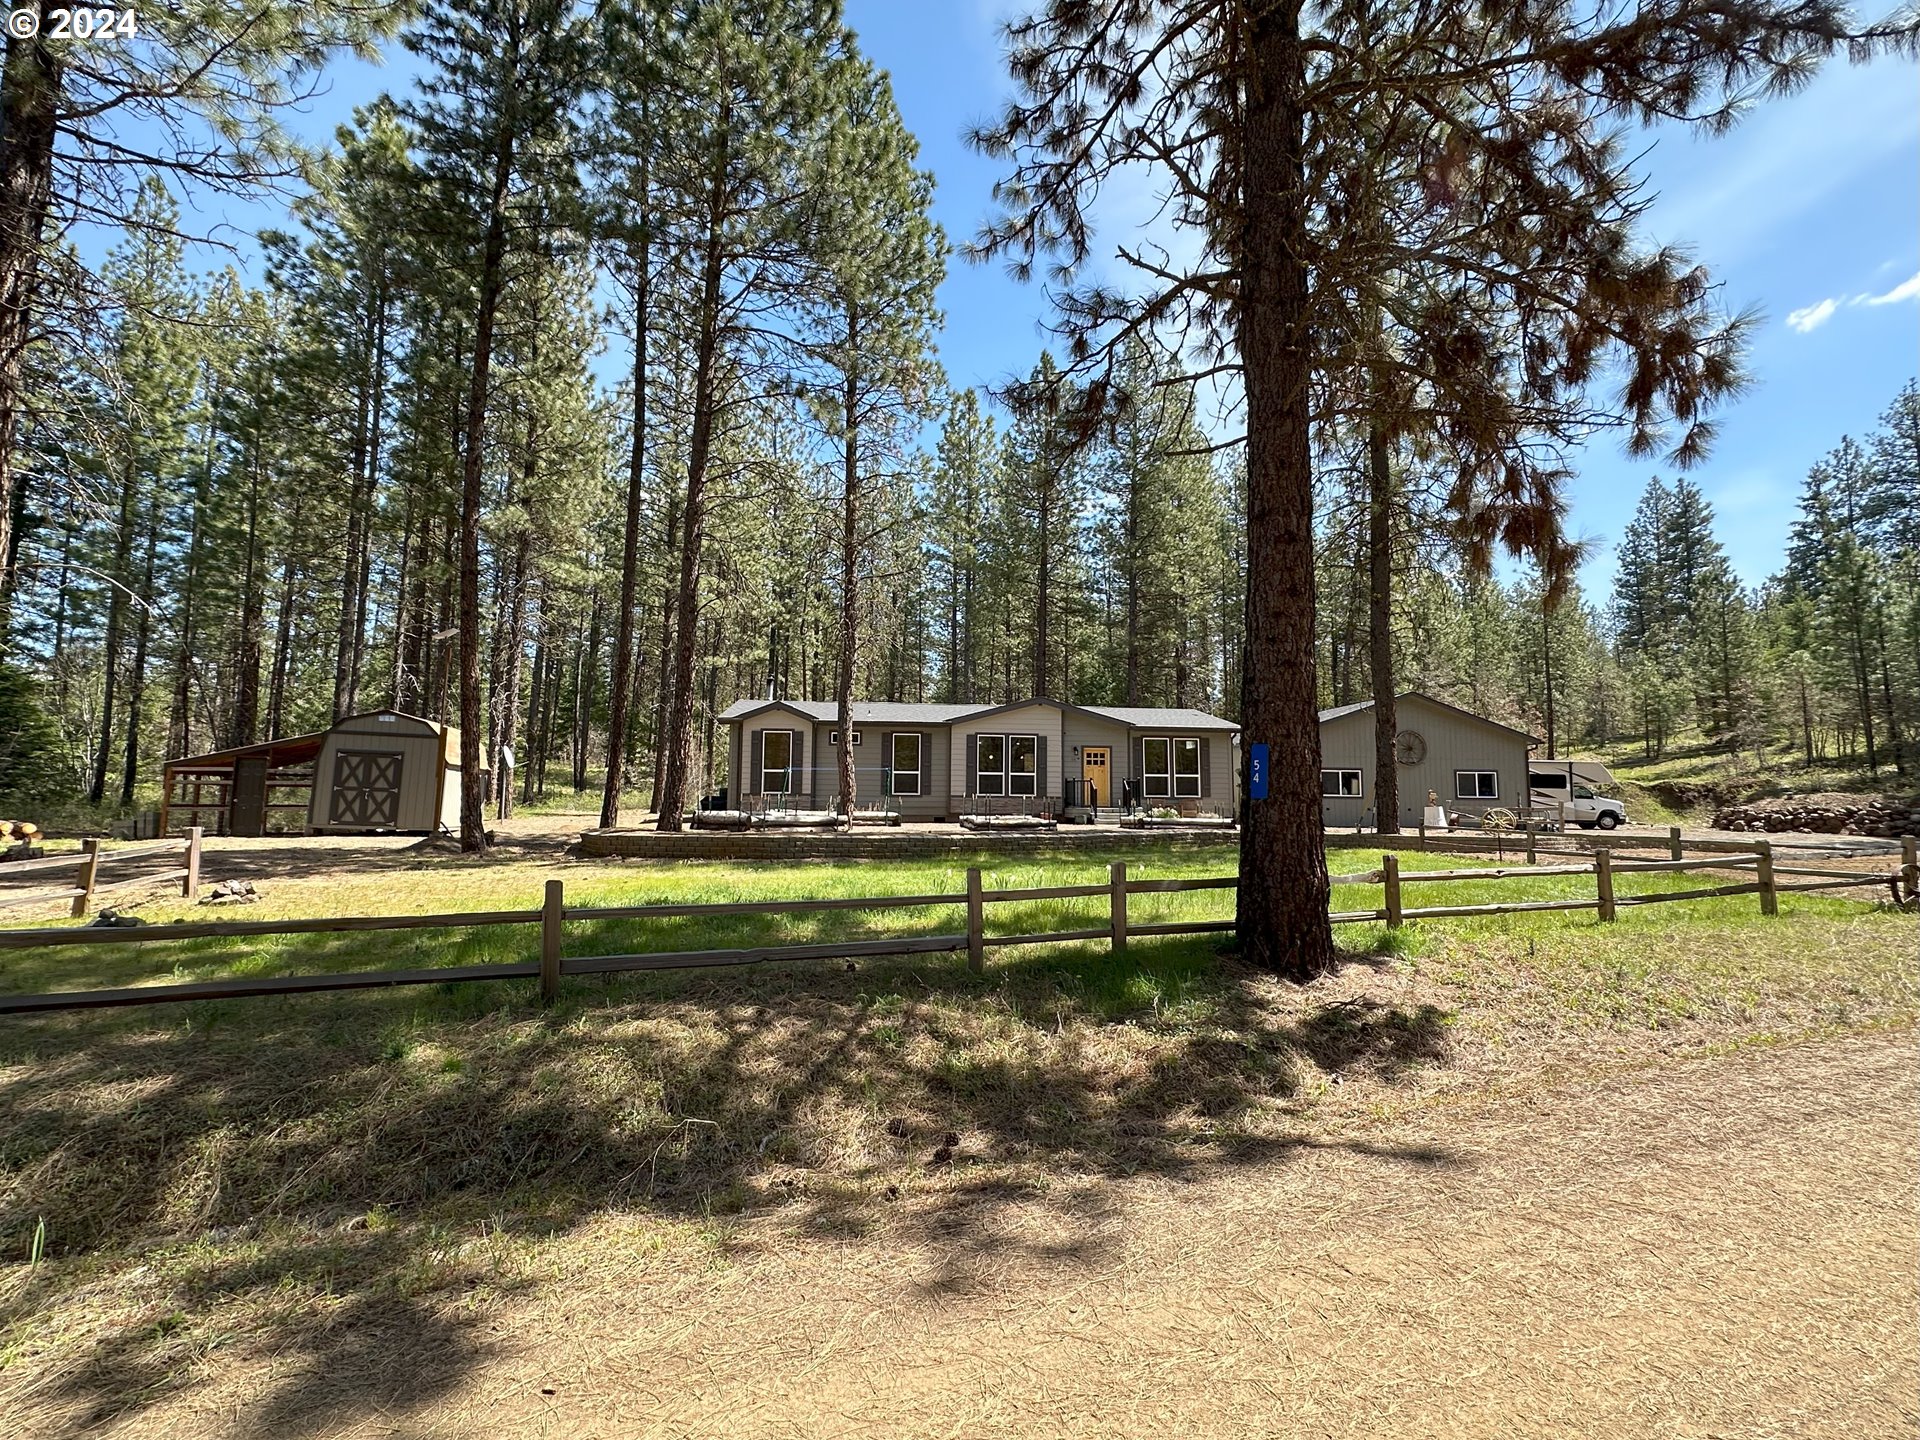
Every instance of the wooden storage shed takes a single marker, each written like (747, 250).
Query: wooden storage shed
(381, 771)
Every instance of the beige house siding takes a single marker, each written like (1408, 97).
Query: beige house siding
(870, 762)
(419, 745)
(1038, 720)
(779, 718)
(1455, 742)
(1218, 756)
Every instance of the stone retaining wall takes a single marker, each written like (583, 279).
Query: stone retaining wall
(1825, 815)
(901, 844)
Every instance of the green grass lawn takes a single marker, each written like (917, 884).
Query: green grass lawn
(177, 1179)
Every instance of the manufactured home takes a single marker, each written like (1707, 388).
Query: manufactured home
(939, 762)
(1471, 763)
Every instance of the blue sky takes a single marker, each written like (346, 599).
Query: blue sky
(1809, 212)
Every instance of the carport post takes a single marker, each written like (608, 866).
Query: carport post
(1673, 841)
(553, 915)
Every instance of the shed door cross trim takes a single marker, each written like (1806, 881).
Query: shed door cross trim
(366, 787)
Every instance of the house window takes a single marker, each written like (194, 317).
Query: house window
(906, 764)
(1006, 765)
(1170, 766)
(991, 767)
(833, 737)
(1023, 768)
(1476, 784)
(776, 762)
(1340, 783)
(1156, 767)
(1186, 767)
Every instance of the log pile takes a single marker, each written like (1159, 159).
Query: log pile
(1824, 815)
(19, 840)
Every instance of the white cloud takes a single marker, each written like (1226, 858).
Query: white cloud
(1905, 290)
(1811, 317)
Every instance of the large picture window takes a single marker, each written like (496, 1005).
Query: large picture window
(1340, 783)
(1170, 767)
(776, 762)
(906, 764)
(1006, 765)
(1476, 784)
(990, 776)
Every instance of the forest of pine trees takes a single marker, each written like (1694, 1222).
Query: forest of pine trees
(598, 389)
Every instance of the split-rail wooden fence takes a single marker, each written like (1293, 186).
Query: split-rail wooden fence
(1756, 861)
(86, 865)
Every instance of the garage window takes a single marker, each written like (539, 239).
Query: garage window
(1336, 783)
(1476, 784)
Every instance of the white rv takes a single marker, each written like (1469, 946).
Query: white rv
(1567, 790)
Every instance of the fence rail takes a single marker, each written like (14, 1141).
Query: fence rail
(555, 914)
(87, 881)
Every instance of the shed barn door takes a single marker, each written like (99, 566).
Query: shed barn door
(250, 795)
(366, 788)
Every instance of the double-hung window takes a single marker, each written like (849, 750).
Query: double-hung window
(1170, 767)
(905, 760)
(1006, 765)
(1023, 765)
(776, 762)
(990, 776)
(1476, 784)
(1340, 783)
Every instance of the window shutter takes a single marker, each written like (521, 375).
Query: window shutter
(803, 782)
(1041, 784)
(973, 763)
(1139, 776)
(886, 762)
(1206, 768)
(926, 762)
(757, 778)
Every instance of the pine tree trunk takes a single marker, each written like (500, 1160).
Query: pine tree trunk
(620, 698)
(678, 740)
(1386, 707)
(116, 622)
(1282, 910)
(473, 822)
(245, 715)
(849, 570)
(29, 103)
(137, 676)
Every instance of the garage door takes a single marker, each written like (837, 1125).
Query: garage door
(366, 788)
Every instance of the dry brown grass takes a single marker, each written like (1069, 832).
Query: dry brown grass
(723, 1205)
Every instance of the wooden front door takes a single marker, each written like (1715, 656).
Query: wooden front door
(1096, 765)
(366, 788)
(250, 795)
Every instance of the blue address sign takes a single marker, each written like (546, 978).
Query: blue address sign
(1256, 772)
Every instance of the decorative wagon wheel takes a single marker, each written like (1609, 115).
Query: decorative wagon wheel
(1499, 818)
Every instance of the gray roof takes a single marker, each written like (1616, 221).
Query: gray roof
(887, 712)
(1338, 711)
(1148, 718)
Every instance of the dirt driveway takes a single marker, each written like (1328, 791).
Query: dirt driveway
(1715, 1248)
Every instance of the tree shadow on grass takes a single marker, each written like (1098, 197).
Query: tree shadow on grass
(323, 1174)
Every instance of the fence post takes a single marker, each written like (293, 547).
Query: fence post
(1117, 905)
(1673, 842)
(89, 874)
(976, 923)
(1910, 863)
(190, 886)
(1423, 830)
(1603, 877)
(553, 915)
(1532, 859)
(1390, 877)
(1769, 897)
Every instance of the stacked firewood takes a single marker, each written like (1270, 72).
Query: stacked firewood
(19, 840)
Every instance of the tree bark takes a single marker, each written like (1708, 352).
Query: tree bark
(29, 101)
(620, 700)
(116, 622)
(1386, 709)
(1282, 912)
(473, 820)
(849, 568)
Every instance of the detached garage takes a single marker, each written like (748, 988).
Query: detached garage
(382, 771)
